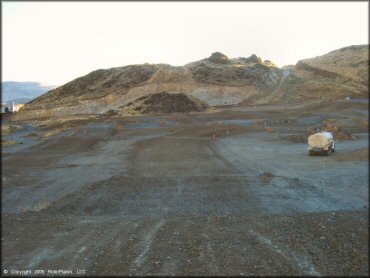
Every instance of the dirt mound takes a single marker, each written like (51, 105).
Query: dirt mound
(339, 134)
(266, 177)
(164, 103)
(329, 125)
(302, 138)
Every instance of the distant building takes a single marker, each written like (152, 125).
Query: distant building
(4, 108)
(10, 108)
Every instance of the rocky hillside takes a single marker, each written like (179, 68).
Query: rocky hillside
(216, 80)
(337, 74)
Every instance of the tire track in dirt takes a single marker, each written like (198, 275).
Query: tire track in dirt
(84, 252)
(228, 165)
(207, 246)
(303, 263)
(106, 242)
(147, 241)
(203, 218)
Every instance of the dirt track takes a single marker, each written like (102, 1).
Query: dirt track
(159, 195)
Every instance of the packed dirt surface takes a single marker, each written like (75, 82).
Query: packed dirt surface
(202, 193)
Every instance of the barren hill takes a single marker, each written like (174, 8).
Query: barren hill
(340, 73)
(217, 80)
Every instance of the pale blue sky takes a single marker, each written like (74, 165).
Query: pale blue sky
(55, 42)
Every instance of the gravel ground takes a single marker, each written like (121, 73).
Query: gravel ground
(208, 193)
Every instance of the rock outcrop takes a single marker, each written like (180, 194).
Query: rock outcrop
(252, 59)
(218, 58)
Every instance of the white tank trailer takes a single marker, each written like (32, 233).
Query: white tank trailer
(321, 143)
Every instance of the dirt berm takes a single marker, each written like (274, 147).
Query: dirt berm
(164, 103)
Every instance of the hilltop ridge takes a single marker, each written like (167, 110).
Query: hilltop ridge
(216, 80)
